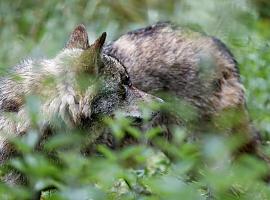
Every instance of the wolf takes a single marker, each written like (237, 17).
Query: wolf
(76, 87)
(193, 67)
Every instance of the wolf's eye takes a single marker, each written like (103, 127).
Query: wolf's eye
(126, 80)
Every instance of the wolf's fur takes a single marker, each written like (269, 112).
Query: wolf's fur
(106, 88)
(196, 68)
(193, 66)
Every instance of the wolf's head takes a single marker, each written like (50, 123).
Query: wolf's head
(92, 83)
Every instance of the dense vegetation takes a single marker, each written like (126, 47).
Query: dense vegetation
(200, 170)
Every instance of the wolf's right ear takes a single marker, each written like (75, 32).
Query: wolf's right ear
(98, 44)
(78, 38)
(90, 59)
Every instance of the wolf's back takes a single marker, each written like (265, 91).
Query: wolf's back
(195, 67)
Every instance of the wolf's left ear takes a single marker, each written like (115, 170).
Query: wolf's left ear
(78, 38)
(98, 44)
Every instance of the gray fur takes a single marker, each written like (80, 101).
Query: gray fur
(194, 67)
(56, 82)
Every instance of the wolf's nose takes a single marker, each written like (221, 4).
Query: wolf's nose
(137, 120)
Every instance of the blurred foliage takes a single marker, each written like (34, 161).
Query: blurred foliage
(263, 8)
(199, 170)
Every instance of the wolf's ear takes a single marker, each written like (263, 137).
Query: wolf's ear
(90, 59)
(98, 44)
(78, 38)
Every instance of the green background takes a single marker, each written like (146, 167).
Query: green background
(38, 29)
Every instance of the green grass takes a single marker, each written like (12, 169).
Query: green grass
(200, 170)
